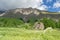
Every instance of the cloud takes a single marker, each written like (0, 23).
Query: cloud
(49, 0)
(57, 0)
(43, 7)
(56, 4)
(9, 4)
(59, 11)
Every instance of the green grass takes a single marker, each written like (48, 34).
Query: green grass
(20, 23)
(24, 34)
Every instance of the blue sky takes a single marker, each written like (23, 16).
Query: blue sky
(49, 5)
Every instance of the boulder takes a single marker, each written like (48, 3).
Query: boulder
(39, 25)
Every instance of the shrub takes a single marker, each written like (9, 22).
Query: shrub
(32, 21)
(10, 22)
(15, 22)
(49, 22)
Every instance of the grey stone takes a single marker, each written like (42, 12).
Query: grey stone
(38, 25)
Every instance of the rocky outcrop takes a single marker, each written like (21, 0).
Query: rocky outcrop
(38, 25)
(27, 13)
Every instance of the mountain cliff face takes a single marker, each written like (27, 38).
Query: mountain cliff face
(27, 13)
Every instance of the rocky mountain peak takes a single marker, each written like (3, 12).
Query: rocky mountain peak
(26, 11)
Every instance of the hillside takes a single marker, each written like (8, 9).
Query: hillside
(24, 34)
(28, 13)
(20, 24)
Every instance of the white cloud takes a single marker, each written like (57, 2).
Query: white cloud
(43, 7)
(56, 5)
(49, 0)
(59, 11)
(57, 0)
(9, 4)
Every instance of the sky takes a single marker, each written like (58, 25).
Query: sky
(49, 5)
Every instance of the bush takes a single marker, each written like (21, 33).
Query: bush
(15, 22)
(49, 22)
(31, 21)
(58, 24)
(10, 22)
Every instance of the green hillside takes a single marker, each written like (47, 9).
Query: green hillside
(23, 34)
(19, 23)
(17, 29)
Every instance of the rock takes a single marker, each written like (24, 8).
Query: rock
(38, 25)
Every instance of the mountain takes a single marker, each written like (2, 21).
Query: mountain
(1, 11)
(27, 13)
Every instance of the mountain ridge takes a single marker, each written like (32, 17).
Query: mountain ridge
(27, 13)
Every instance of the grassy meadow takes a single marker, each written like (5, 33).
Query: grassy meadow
(17, 29)
(24, 34)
